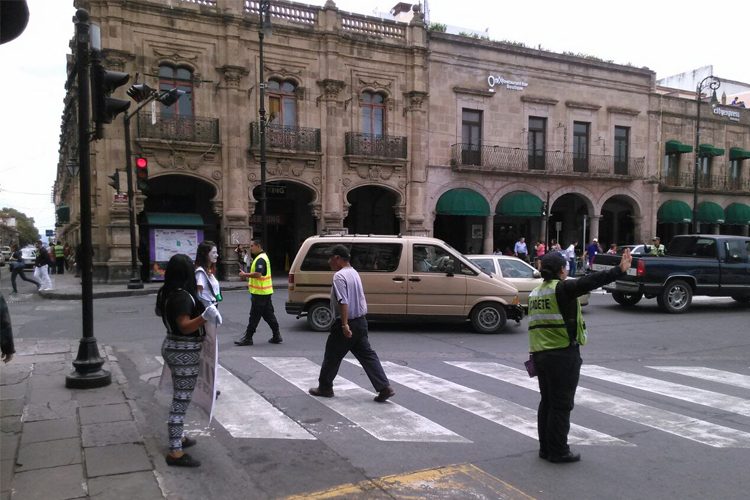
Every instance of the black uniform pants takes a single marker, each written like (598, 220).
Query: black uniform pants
(558, 371)
(261, 306)
(338, 345)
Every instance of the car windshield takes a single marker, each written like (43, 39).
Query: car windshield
(512, 268)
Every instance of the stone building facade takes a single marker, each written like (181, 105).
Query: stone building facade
(376, 126)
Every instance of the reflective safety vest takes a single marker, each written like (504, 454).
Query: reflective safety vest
(546, 323)
(264, 284)
(59, 251)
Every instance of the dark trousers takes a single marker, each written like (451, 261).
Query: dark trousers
(60, 263)
(573, 268)
(336, 348)
(261, 306)
(18, 271)
(558, 373)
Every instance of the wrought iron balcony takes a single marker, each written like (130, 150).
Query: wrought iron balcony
(179, 128)
(289, 138)
(501, 159)
(735, 184)
(705, 183)
(384, 146)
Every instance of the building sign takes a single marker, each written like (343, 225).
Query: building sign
(732, 114)
(164, 243)
(497, 80)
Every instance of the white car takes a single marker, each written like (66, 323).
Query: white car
(520, 274)
(28, 255)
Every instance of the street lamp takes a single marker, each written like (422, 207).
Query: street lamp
(142, 94)
(264, 14)
(713, 83)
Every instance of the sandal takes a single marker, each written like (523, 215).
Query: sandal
(184, 461)
(187, 442)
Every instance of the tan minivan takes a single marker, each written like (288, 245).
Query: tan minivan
(411, 277)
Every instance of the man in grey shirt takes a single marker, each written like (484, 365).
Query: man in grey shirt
(349, 330)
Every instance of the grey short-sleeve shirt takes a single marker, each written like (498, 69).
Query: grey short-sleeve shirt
(347, 289)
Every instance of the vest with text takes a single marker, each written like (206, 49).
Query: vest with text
(547, 328)
(264, 284)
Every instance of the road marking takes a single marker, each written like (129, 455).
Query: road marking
(683, 426)
(711, 374)
(500, 411)
(386, 422)
(703, 397)
(246, 414)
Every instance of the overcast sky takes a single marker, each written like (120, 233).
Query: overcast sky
(667, 36)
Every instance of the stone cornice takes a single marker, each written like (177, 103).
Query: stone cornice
(623, 111)
(539, 100)
(583, 105)
(478, 92)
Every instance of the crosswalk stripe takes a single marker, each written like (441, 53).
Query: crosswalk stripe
(386, 422)
(246, 414)
(711, 374)
(683, 426)
(500, 411)
(703, 397)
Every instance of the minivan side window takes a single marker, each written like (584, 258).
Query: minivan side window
(366, 257)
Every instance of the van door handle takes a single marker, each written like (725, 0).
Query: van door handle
(415, 279)
(398, 279)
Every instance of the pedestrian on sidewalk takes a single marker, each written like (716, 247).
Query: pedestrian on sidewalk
(260, 287)
(209, 293)
(6, 332)
(183, 316)
(349, 330)
(42, 263)
(556, 332)
(59, 251)
(17, 268)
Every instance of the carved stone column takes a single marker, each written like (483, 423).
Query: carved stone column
(489, 233)
(416, 108)
(594, 230)
(332, 128)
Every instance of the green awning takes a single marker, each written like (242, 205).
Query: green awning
(462, 202)
(709, 150)
(737, 213)
(519, 204)
(674, 211)
(738, 154)
(174, 220)
(676, 147)
(710, 213)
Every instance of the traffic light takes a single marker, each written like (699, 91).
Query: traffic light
(140, 92)
(103, 83)
(141, 173)
(115, 182)
(170, 97)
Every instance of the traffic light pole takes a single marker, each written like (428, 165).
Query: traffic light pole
(88, 373)
(135, 278)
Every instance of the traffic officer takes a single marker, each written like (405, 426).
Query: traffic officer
(260, 287)
(556, 330)
(60, 257)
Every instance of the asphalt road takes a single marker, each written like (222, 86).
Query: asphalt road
(663, 409)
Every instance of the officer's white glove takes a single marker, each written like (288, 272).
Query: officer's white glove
(212, 314)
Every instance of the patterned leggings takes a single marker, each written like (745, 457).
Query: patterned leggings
(182, 357)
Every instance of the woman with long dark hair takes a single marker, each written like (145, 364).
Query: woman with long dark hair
(183, 316)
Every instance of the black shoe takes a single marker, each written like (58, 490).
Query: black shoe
(383, 395)
(244, 341)
(565, 459)
(184, 461)
(543, 455)
(218, 393)
(321, 393)
(187, 442)
(275, 340)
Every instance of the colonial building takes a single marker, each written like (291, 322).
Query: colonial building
(378, 126)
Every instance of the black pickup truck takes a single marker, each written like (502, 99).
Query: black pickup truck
(697, 264)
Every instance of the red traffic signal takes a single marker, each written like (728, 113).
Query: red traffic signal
(141, 162)
(141, 173)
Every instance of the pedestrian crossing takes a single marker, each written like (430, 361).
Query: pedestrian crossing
(244, 413)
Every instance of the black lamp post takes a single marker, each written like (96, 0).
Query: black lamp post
(713, 83)
(264, 12)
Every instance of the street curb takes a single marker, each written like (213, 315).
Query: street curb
(107, 294)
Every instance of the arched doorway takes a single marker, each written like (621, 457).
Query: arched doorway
(617, 224)
(461, 215)
(371, 211)
(290, 221)
(566, 221)
(518, 214)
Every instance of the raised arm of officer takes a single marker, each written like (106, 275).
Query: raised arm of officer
(592, 281)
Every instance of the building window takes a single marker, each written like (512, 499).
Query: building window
(581, 146)
(735, 174)
(704, 171)
(181, 78)
(672, 170)
(471, 137)
(373, 113)
(537, 141)
(282, 103)
(622, 146)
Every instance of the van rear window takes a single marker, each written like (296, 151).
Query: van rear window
(366, 257)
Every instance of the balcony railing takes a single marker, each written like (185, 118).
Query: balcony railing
(384, 146)
(508, 159)
(290, 138)
(735, 184)
(178, 128)
(705, 182)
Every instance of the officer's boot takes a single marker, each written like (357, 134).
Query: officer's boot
(276, 339)
(246, 339)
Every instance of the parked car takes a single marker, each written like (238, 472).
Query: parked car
(710, 264)
(520, 274)
(28, 254)
(5, 252)
(404, 277)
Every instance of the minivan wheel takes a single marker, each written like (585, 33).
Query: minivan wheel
(319, 316)
(488, 318)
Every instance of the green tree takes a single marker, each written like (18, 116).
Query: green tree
(27, 231)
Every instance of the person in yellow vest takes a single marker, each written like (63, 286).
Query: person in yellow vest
(60, 257)
(260, 287)
(556, 331)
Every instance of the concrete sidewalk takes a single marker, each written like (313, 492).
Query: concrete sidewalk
(68, 287)
(60, 443)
